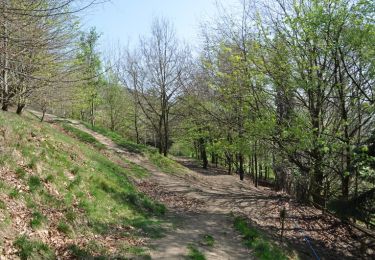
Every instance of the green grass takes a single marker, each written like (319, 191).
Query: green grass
(83, 136)
(71, 215)
(261, 246)
(208, 240)
(14, 193)
(32, 163)
(37, 220)
(65, 174)
(165, 164)
(64, 227)
(34, 183)
(118, 139)
(21, 173)
(32, 249)
(136, 251)
(92, 250)
(194, 253)
(2, 205)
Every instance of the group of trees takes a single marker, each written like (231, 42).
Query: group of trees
(38, 49)
(282, 89)
(291, 87)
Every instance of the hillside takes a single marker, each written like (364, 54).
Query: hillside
(61, 197)
(71, 191)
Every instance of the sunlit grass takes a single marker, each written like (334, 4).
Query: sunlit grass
(94, 193)
(254, 239)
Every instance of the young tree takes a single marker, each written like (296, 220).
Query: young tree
(88, 60)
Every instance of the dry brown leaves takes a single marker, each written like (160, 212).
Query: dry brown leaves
(19, 216)
(173, 200)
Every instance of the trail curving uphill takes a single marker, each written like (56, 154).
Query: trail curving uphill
(191, 222)
(206, 199)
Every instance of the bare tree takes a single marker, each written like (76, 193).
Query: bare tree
(166, 64)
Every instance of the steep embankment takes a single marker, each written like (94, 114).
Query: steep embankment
(61, 197)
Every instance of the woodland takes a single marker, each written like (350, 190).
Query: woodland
(278, 92)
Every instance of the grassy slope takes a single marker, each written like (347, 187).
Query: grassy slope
(66, 197)
(165, 164)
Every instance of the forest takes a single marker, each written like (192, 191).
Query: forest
(278, 92)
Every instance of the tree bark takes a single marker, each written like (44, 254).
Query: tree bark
(5, 87)
(241, 170)
(20, 108)
(203, 152)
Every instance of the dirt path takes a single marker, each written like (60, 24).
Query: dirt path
(189, 227)
(220, 194)
(192, 226)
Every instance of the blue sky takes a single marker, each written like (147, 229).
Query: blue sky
(122, 21)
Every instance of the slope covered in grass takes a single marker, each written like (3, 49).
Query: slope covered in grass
(165, 164)
(61, 197)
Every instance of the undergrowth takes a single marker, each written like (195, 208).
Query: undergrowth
(261, 246)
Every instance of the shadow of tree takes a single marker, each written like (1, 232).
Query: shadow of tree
(306, 227)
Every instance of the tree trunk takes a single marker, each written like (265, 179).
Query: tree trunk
(43, 114)
(5, 87)
(112, 120)
(20, 108)
(166, 135)
(318, 177)
(136, 128)
(92, 113)
(345, 180)
(241, 170)
(160, 135)
(229, 162)
(212, 157)
(256, 170)
(202, 147)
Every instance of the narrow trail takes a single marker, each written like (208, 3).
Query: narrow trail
(191, 227)
(222, 194)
